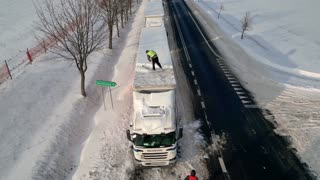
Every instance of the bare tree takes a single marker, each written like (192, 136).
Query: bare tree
(221, 8)
(109, 11)
(127, 9)
(122, 10)
(117, 21)
(246, 23)
(112, 11)
(76, 27)
(130, 6)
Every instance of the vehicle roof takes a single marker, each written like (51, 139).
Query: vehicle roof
(154, 38)
(154, 8)
(154, 112)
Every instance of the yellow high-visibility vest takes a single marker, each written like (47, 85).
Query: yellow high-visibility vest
(152, 54)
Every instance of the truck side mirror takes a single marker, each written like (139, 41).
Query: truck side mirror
(128, 135)
(180, 133)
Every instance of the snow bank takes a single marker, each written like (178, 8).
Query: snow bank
(106, 153)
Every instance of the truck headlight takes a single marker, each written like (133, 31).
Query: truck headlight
(172, 149)
(137, 150)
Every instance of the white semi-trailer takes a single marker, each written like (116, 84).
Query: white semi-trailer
(153, 131)
(154, 14)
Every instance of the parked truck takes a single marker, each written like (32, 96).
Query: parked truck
(154, 14)
(153, 130)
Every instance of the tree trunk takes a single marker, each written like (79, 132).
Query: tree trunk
(122, 25)
(130, 4)
(83, 77)
(127, 15)
(110, 36)
(118, 34)
(117, 24)
(242, 34)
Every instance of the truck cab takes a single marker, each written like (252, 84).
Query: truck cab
(154, 129)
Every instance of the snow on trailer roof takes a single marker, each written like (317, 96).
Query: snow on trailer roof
(154, 112)
(154, 38)
(154, 8)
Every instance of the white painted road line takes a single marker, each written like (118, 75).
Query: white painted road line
(206, 117)
(202, 105)
(183, 41)
(195, 82)
(243, 97)
(203, 35)
(245, 102)
(222, 165)
(209, 124)
(240, 92)
(199, 93)
(251, 106)
(192, 72)
(237, 89)
(232, 81)
(231, 78)
(235, 85)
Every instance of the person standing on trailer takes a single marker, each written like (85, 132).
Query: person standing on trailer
(153, 57)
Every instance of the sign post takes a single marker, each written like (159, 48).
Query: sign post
(111, 97)
(104, 99)
(106, 84)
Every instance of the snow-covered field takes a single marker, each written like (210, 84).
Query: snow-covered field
(17, 28)
(48, 131)
(278, 61)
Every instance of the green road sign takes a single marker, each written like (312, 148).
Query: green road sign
(105, 83)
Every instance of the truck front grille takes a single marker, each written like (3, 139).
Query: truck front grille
(160, 155)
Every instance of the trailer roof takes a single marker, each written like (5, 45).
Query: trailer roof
(154, 8)
(154, 38)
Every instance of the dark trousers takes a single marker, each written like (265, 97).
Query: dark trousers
(155, 60)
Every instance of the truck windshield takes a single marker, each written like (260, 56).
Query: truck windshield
(155, 140)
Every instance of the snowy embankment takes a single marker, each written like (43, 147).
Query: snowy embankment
(278, 61)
